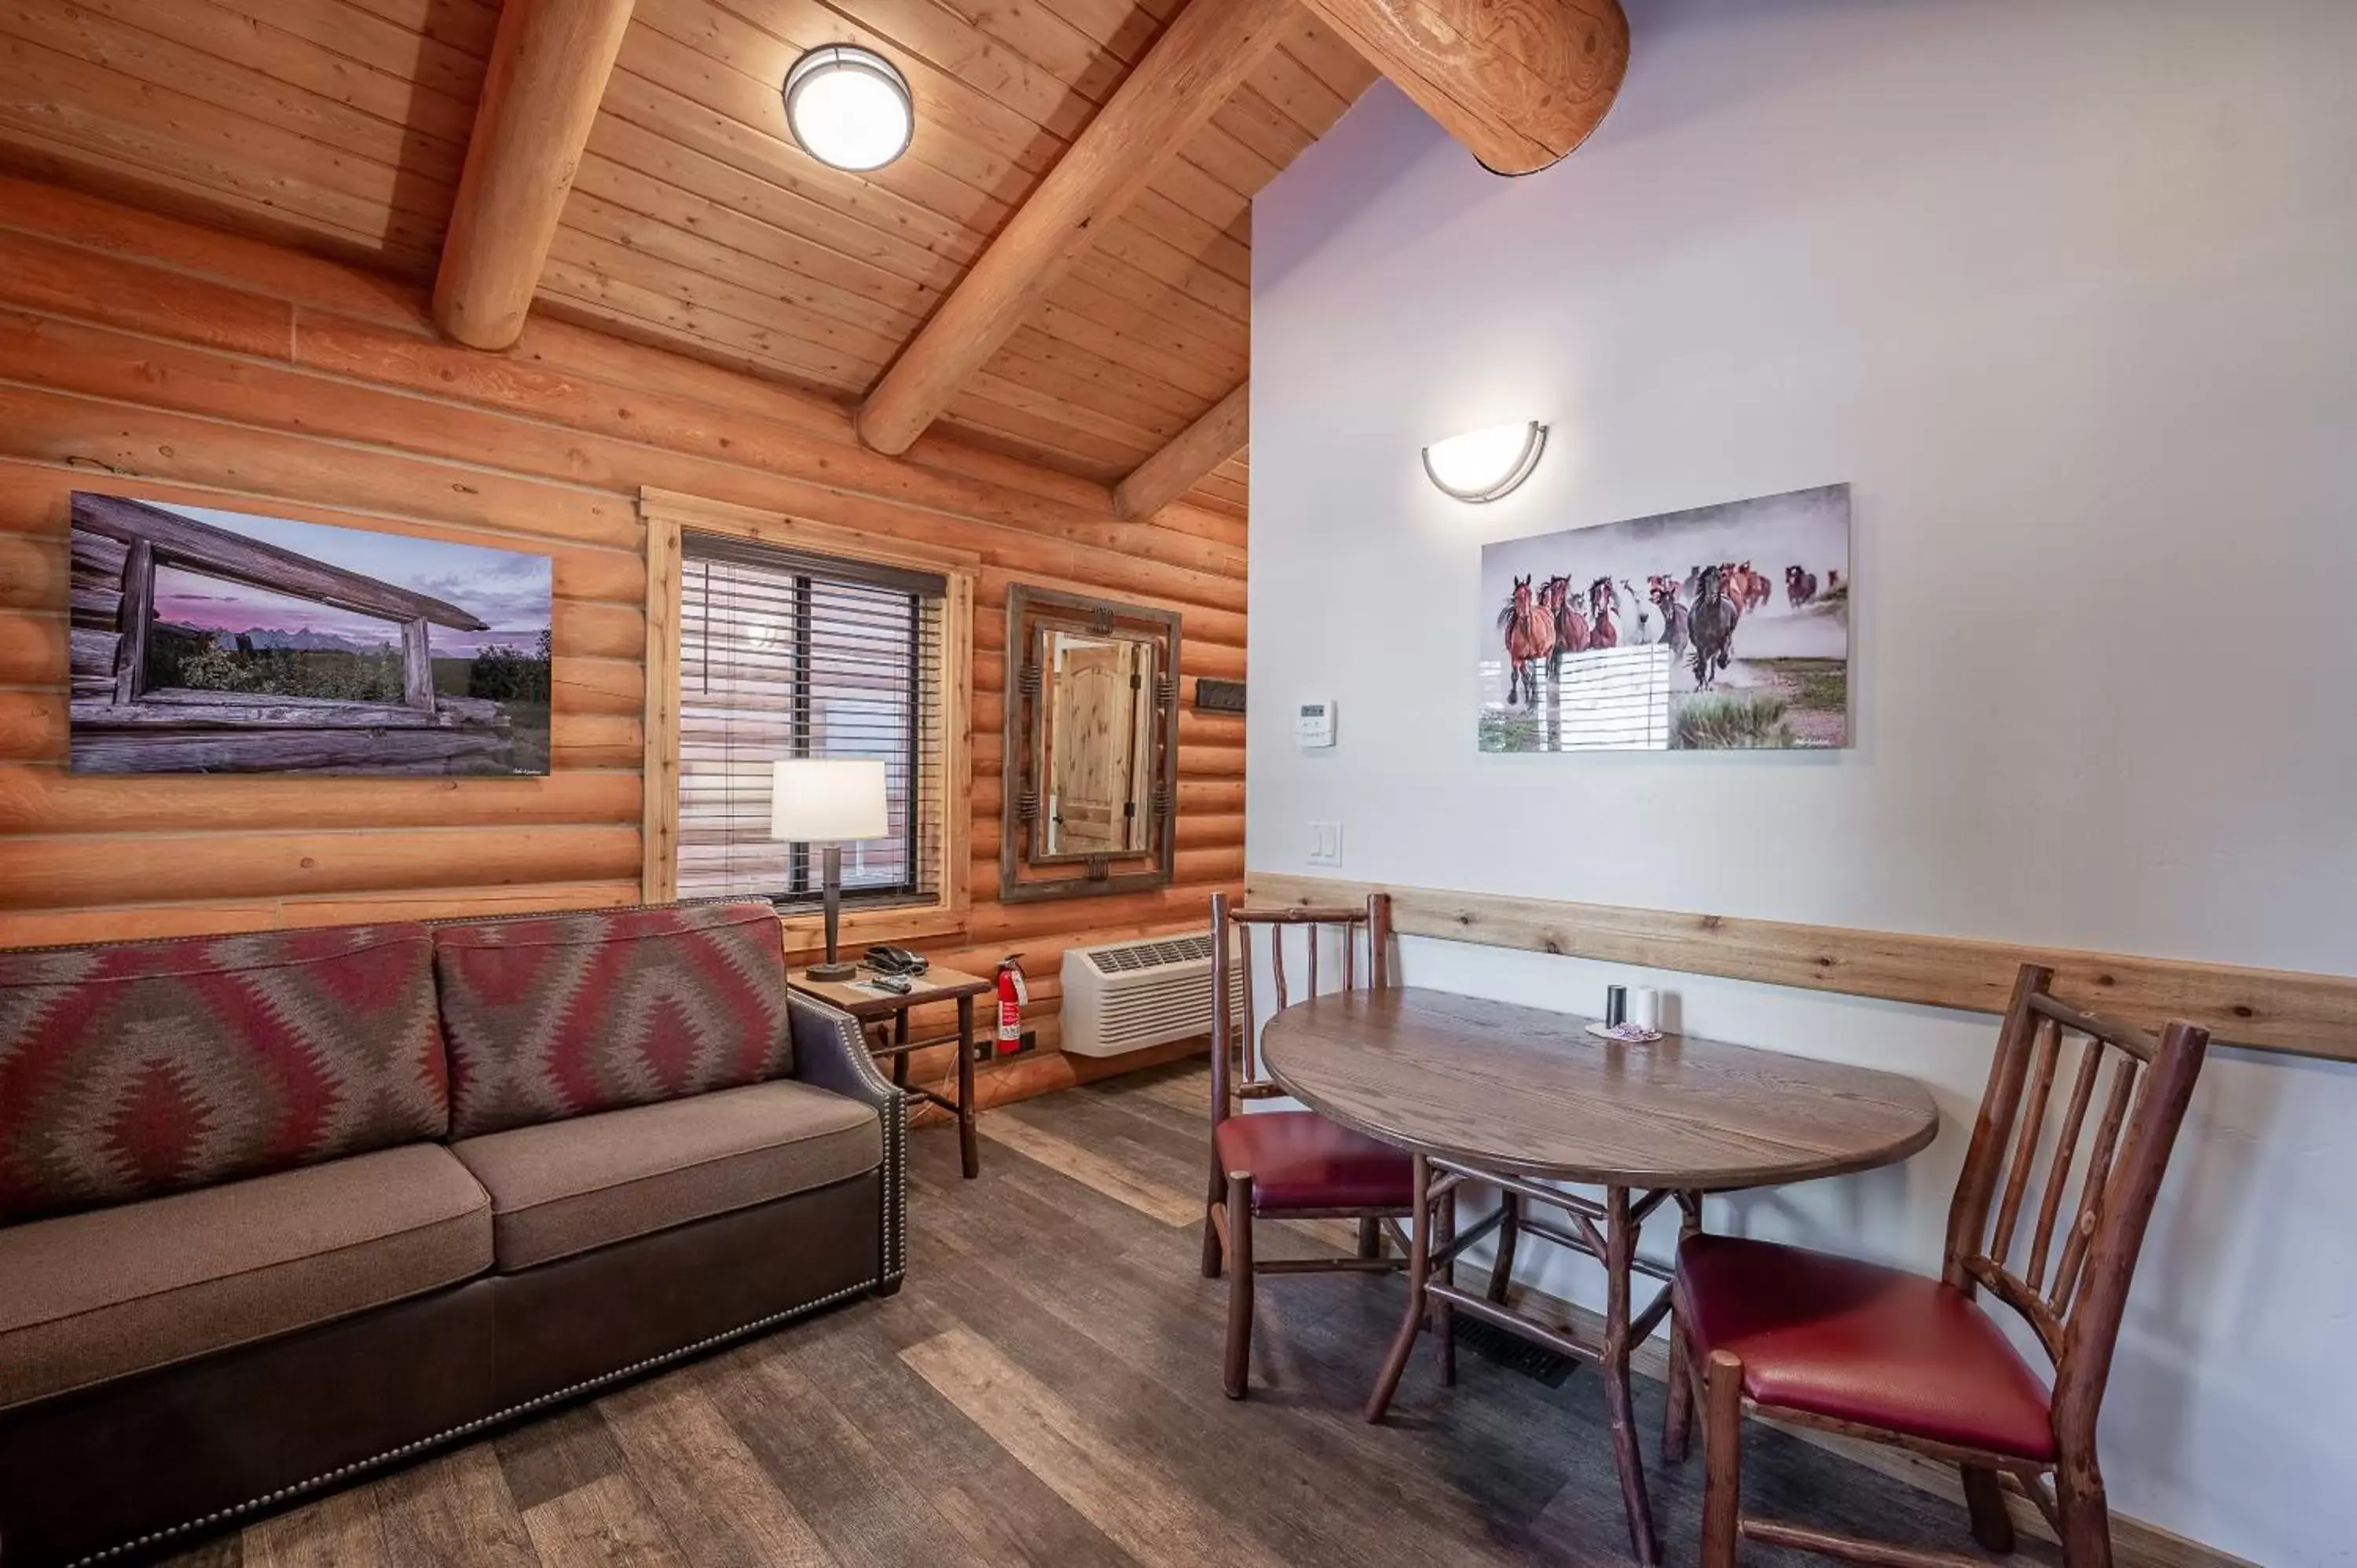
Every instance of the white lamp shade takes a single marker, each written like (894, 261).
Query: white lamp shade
(827, 800)
(1483, 465)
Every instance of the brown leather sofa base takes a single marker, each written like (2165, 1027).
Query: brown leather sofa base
(581, 1317)
(150, 1463)
(124, 1461)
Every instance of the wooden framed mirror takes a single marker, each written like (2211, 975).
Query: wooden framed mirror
(1092, 748)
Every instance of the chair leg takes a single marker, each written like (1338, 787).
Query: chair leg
(1371, 1237)
(1678, 1420)
(1984, 1499)
(1238, 1371)
(1213, 1248)
(1722, 1459)
(1501, 1272)
(2086, 1516)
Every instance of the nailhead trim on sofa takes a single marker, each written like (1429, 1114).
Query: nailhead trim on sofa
(359, 1467)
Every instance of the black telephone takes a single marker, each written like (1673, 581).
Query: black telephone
(885, 959)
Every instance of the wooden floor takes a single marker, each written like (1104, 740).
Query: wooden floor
(1046, 1390)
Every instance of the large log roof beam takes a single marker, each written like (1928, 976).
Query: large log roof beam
(1196, 66)
(1194, 452)
(1519, 82)
(548, 68)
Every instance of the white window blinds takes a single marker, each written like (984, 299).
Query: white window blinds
(786, 654)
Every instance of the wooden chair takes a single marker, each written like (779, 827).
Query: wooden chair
(1288, 1165)
(1854, 1347)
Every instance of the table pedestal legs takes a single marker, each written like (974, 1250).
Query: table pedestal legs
(1606, 1232)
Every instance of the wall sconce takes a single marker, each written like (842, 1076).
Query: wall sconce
(1483, 465)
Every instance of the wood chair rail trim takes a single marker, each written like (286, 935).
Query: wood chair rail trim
(2287, 1011)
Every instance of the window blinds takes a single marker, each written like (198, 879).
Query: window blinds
(786, 654)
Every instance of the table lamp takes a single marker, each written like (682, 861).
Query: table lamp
(828, 801)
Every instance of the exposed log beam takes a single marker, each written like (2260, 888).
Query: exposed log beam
(549, 64)
(1197, 63)
(1192, 453)
(1519, 82)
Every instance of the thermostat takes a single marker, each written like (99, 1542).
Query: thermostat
(1314, 726)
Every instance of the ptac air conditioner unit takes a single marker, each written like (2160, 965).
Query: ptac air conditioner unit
(1124, 996)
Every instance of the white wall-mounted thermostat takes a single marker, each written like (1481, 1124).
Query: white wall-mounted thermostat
(1314, 726)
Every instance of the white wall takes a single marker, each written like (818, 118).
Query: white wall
(2068, 292)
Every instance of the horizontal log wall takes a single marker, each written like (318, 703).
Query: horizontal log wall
(2263, 1009)
(148, 358)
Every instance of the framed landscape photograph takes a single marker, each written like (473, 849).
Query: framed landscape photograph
(211, 641)
(1724, 628)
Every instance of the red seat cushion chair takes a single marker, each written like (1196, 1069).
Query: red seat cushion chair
(1300, 1160)
(1856, 1342)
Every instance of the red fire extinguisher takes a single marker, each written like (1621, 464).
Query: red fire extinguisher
(1012, 995)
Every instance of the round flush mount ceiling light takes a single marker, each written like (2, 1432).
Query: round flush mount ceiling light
(1483, 465)
(848, 107)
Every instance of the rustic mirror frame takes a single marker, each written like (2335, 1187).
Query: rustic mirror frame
(1031, 613)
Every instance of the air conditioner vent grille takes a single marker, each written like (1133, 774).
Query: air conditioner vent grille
(1125, 996)
(1154, 952)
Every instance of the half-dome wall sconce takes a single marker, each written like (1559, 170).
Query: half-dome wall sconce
(1484, 465)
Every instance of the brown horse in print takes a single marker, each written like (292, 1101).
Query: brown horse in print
(1570, 625)
(1529, 637)
(1601, 602)
(1800, 586)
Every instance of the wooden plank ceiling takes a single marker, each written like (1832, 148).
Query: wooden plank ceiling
(694, 222)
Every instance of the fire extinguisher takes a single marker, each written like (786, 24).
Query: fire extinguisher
(1012, 995)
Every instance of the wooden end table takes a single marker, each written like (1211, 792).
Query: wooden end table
(861, 998)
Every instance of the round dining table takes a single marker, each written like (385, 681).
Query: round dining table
(1521, 1099)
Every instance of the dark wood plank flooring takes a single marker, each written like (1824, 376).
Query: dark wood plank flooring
(1046, 1391)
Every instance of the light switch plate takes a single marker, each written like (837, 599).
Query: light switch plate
(1325, 844)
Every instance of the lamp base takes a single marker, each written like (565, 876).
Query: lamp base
(832, 971)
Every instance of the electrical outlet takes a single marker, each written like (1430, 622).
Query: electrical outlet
(1325, 844)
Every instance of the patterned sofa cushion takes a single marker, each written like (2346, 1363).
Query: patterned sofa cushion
(561, 1015)
(137, 1068)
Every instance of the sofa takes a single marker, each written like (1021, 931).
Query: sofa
(279, 1208)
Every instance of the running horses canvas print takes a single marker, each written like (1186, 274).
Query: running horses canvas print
(1708, 657)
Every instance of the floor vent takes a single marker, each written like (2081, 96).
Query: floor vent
(1514, 1352)
(1125, 996)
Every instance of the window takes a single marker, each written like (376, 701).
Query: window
(789, 639)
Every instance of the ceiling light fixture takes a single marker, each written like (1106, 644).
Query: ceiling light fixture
(1483, 465)
(848, 108)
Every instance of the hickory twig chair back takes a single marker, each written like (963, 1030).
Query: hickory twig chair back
(1852, 1347)
(1289, 1165)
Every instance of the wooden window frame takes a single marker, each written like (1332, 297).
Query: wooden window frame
(666, 515)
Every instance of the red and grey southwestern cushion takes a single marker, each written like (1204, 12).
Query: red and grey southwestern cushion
(558, 1017)
(136, 1069)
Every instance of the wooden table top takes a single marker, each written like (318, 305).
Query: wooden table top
(1523, 1091)
(859, 999)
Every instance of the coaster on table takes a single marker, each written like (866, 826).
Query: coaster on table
(1625, 1034)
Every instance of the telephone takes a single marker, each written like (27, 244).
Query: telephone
(885, 959)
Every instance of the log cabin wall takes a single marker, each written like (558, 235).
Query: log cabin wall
(145, 356)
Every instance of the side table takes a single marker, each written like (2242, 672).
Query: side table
(865, 1001)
